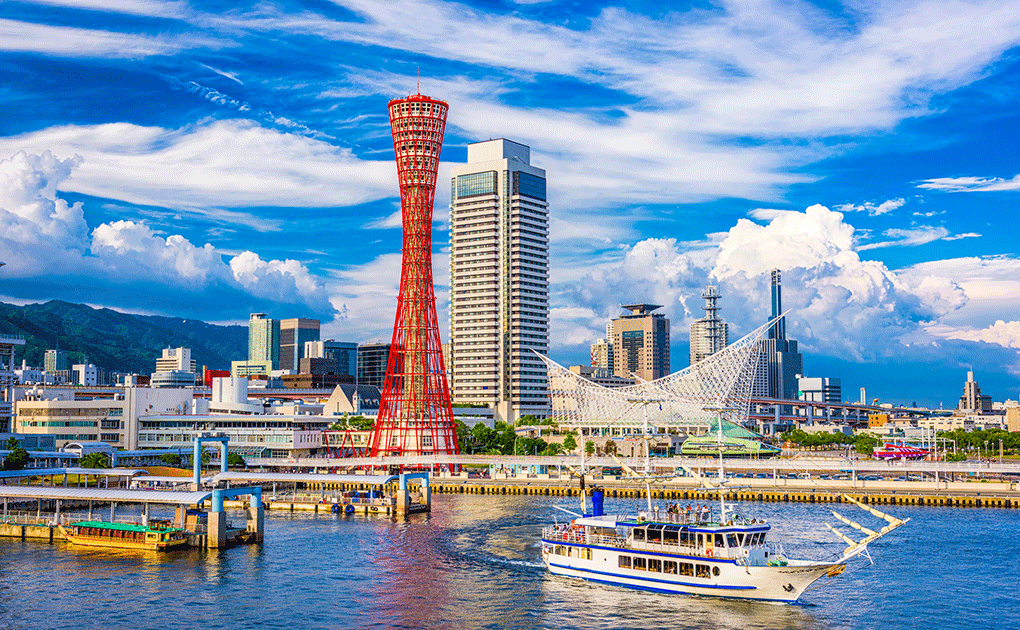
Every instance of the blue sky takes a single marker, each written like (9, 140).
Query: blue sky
(210, 159)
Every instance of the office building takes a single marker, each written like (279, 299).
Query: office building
(499, 280)
(973, 400)
(87, 375)
(345, 353)
(372, 360)
(602, 355)
(294, 334)
(641, 343)
(710, 334)
(55, 360)
(176, 359)
(7, 344)
(780, 365)
(113, 420)
(264, 340)
(818, 389)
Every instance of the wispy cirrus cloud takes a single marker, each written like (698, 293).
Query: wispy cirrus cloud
(971, 184)
(871, 208)
(65, 41)
(225, 164)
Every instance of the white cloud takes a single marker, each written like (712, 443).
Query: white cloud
(1005, 334)
(41, 235)
(228, 163)
(66, 41)
(873, 209)
(910, 237)
(841, 305)
(148, 8)
(971, 184)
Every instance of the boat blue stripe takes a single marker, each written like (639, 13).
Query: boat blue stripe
(668, 592)
(638, 577)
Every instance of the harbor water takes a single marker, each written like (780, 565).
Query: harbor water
(475, 562)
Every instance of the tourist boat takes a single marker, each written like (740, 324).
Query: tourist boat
(697, 551)
(157, 537)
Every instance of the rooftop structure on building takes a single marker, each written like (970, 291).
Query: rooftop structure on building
(641, 343)
(710, 334)
(601, 376)
(973, 401)
(499, 279)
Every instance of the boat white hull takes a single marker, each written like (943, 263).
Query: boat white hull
(767, 583)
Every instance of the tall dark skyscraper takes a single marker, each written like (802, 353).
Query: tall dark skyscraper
(779, 363)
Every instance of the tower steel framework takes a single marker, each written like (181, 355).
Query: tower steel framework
(415, 414)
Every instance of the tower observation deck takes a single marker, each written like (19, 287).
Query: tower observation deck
(415, 414)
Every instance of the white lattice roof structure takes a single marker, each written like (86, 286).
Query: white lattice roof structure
(697, 395)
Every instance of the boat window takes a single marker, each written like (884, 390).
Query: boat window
(719, 540)
(731, 540)
(625, 562)
(570, 552)
(701, 570)
(669, 566)
(639, 534)
(639, 564)
(715, 571)
(655, 565)
(654, 533)
(686, 568)
(561, 550)
(587, 554)
(685, 537)
(701, 540)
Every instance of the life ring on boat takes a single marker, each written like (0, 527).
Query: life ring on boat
(374, 508)
(336, 508)
(709, 552)
(348, 509)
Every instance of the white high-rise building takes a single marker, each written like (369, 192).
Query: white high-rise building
(499, 280)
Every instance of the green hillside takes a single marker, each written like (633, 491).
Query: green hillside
(117, 341)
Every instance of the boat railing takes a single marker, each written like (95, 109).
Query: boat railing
(566, 533)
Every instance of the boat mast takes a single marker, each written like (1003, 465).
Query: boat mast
(722, 473)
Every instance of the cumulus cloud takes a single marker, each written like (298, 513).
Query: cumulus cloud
(971, 184)
(842, 305)
(1005, 334)
(41, 235)
(872, 208)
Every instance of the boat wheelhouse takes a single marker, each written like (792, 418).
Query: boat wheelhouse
(156, 537)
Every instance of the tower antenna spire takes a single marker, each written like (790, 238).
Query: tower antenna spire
(419, 80)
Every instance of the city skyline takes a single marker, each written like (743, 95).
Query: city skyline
(240, 162)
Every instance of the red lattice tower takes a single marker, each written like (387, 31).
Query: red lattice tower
(415, 416)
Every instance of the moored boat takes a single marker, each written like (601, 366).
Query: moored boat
(155, 537)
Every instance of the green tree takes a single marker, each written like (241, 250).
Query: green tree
(589, 447)
(94, 460)
(11, 444)
(610, 447)
(170, 459)
(16, 459)
(569, 443)
(235, 460)
(865, 444)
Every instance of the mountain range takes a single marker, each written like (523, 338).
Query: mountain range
(117, 341)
